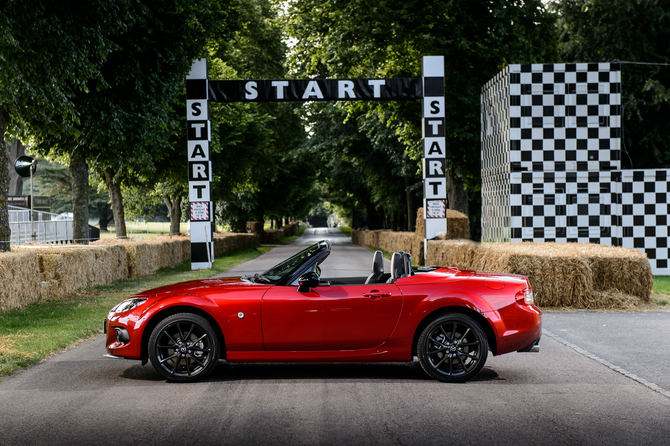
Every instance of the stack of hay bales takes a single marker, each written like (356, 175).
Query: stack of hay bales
(226, 242)
(562, 274)
(458, 225)
(34, 272)
(19, 276)
(148, 255)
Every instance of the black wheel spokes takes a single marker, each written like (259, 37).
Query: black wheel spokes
(459, 351)
(176, 351)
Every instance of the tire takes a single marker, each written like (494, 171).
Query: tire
(184, 347)
(452, 348)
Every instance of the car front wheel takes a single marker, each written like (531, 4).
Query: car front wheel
(452, 348)
(184, 347)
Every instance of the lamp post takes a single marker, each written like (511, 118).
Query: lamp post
(25, 166)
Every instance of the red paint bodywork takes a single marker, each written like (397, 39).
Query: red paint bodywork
(350, 323)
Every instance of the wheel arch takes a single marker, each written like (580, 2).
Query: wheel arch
(169, 311)
(481, 320)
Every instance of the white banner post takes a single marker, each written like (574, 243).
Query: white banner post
(434, 161)
(199, 166)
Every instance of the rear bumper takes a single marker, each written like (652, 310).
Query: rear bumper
(533, 347)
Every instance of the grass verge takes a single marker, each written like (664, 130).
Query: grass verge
(346, 230)
(33, 333)
(660, 294)
(289, 238)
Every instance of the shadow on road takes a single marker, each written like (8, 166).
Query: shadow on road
(307, 372)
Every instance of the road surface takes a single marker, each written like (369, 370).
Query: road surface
(591, 384)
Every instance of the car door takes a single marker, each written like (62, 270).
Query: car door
(329, 317)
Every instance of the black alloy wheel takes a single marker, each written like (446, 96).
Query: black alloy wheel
(184, 347)
(452, 348)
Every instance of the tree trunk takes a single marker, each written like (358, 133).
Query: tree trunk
(411, 207)
(114, 190)
(457, 197)
(16, 150)
(456, 194)
(5, 231)
(79, 174)
(174, 207)
(104, 215)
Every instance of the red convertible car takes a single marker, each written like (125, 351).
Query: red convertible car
(447, 318)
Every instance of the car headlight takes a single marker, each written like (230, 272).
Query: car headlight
(128, 305)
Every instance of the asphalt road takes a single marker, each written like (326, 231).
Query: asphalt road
(591, 384)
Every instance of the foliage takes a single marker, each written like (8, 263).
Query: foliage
(629, 31)
(362, 166)
(126, 124)
(387, 39)
(53, 179)
(49, 52)
(371, 38)
(257, 169)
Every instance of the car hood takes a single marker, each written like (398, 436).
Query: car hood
(203, 287)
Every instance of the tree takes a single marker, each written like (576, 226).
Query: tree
(364, 167)
(630, 31)
(49, 51)
(258, 172)
(125, 128)
(369, 38)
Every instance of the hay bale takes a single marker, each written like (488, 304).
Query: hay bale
(458, 225)
(67, 268)
(562, 275)
(20, 278)
(255, 226)
(229, 241)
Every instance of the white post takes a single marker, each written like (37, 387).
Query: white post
(434, 150)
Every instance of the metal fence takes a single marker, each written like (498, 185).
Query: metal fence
(45, 227)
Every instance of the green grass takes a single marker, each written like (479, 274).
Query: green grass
(33, 333)
(289, 238)
(346, 230)
(660, 294)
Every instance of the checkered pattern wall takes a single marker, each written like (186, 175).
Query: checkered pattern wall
(551, 163)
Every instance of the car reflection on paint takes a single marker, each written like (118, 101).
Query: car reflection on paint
(447, 318)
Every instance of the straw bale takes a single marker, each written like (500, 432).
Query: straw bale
(255, 226)
(458, 225)
(20, 279)
(66, 268)
(229, 241)
(562, 275)
(149, 255)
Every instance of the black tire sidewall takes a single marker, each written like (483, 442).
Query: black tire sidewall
(451, 317)
(191, 318)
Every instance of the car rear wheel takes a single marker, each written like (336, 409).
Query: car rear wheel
(184, 347)
(452, 348)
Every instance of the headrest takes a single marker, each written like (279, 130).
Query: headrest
(378, 262)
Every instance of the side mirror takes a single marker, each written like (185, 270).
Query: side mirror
(308, 281)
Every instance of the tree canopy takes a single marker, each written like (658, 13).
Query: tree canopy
(101, 88)
(636, 33)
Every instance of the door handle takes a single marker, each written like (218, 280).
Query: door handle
(375, 294)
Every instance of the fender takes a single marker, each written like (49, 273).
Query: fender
(420, 304)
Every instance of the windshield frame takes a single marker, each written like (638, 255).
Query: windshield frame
(284, 271)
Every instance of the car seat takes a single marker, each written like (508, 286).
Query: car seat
(377, 268)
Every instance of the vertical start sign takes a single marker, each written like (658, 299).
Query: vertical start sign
(200, 90)
(199, 166)
(434, 161)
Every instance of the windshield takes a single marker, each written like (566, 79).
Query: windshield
(278, 272)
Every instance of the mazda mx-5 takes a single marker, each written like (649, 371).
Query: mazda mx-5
(446, 318)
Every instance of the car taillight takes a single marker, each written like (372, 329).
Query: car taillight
(525, 296)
